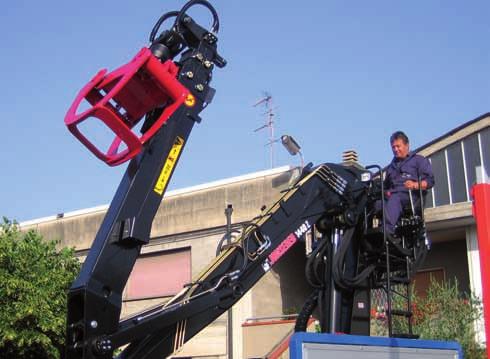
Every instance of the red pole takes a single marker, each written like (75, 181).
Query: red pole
(481, 212)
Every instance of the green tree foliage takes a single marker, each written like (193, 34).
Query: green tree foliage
(443, 314)
(34, 278)
(446, 315)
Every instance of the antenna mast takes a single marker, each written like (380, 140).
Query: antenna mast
(269, 114)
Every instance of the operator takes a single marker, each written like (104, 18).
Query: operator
(402, 175)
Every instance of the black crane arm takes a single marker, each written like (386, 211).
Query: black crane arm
(166, 94)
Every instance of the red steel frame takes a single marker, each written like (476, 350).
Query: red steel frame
(121, 98)
(481, 212)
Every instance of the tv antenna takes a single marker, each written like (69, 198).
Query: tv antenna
(266, 101)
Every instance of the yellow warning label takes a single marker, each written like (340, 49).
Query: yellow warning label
(190, 100)
(168, 167)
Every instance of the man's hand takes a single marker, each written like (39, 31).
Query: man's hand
(410, 185)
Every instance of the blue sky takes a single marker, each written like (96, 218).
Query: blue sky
(343, 74)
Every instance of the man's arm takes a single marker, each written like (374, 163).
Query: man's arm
(409, 184)
(426, 175)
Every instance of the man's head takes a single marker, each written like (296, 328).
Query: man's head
(399, 145)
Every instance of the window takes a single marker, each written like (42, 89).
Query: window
(429, 200)
(159, 275)
(456, 173)
(455, 169)
(441, 188)
(485, 148)
(423, 279)
(472, 157)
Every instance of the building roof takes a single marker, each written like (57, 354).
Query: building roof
(452, 132)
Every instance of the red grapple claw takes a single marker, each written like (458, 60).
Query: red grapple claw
(120, 100)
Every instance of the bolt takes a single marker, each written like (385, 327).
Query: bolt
(103, 346)
(200, 87)
(94, 324)
(207, 64)
(189, 74)
(199, 56)
(210, 38)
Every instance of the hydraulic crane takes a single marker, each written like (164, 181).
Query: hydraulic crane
(162, 97)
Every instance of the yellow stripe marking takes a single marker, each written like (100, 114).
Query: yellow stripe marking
(169, 165)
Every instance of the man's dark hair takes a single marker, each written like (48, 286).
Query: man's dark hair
(399, 135)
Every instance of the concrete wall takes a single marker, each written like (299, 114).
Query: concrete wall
(77, 231)
(294, 289)
(261, 338)
(451, 256)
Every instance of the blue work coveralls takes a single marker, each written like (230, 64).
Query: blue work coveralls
(396, 196)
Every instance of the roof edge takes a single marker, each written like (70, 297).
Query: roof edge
(452, 132)
(176, 192)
